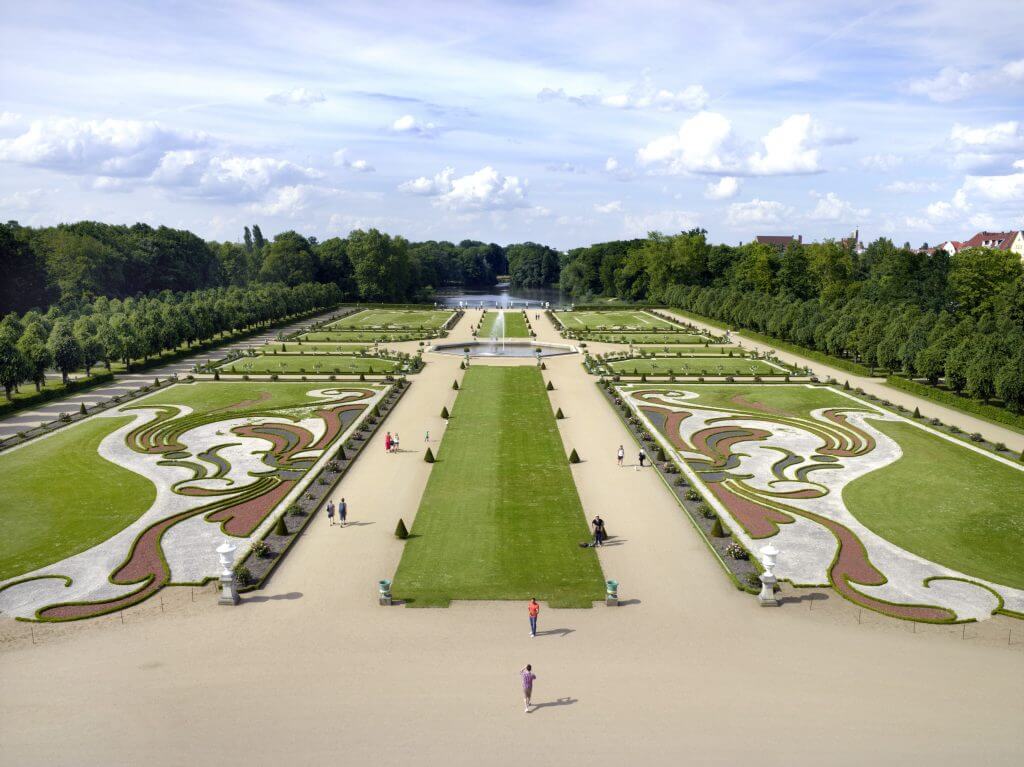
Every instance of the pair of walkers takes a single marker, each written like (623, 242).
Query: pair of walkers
(621, 454)
(391, 443)
(342, 512)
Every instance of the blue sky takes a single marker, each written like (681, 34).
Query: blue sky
(560, 122)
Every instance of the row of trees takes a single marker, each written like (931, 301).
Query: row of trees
(957, 319)
(105, 330)
(71, 263)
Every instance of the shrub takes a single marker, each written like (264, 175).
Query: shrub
(81, 408)
(717, 530)
(65, 417)
(261, 549)
(954, 430)
(753, 580)
(1001, 447)
(216, 375)
(661, 454)
(976, 437)
(543, 365)
(559, 415)
(281, 527)
(462, 366)
(340, 455)
(692, 495)
(400, 531)
(444, 413)
(296, 511)
(917, 412)
(935, 422)
(574, 457)
(706, 511)
(551, 386)
(429, 456)
(362, 376)
(736, 551)
(846, 386)
(455, 385)
(243, 577)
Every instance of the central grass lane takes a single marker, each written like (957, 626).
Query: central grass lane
(500, 517)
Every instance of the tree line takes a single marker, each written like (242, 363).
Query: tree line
(956, 320)
(71, 263)
(107, 330)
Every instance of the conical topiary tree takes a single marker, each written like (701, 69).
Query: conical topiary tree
(917, 412)
(341, 454)
(574, 457)
(551, 386)
(716, 529)
(455, 385)
(661, 454)
(216, 375)
(81, 408)
(444, 413)
(281, 528)
(400, 531)
(429, 457)
(559, 415)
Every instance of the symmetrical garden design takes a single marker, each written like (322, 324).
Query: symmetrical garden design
(211, 461)
(384, 325)
(893, 515)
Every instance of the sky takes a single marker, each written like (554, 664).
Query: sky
(565, 123)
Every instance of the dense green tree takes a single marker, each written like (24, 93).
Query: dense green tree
(289, 259)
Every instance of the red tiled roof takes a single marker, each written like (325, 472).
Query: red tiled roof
(998, 240)
(781, 240)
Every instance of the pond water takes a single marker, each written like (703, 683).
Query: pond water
(502, 296)
(504, 349)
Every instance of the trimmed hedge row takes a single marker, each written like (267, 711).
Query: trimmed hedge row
(992, 413)
(81, 384)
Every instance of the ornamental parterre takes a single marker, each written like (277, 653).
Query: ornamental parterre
(223, 457)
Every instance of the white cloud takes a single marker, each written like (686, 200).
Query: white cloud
(611, 165)
(949, 84)
(723, 189)
(703, 144)
(644, 95)
(8, 119)
(831, 208)
(909, 187)
(788, 149)
(952, 84)
(615, 206)
(411, 125)
(288, 201)
(757, 212)
(668, 221)
(881, 162)
(998, 137)
(486, 189)
(101, 147)
(564, 167)
(940, 211)
(342, 160)
(995, 189)
(21, 200)
(296, 97)
(228, 176)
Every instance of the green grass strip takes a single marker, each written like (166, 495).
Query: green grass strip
(991, 413)
(500, 517)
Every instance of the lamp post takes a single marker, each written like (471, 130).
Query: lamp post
(769, 554)
(228, 591)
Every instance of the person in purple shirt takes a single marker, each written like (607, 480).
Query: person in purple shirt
(528, 677)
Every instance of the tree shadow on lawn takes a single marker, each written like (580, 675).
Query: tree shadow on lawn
(289, 596)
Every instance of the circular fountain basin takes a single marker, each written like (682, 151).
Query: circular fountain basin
(498, 348)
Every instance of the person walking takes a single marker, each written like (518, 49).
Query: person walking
(527, 676)
(330, 511)
(387, 442)
(394, 443)
(534, 611)
(342, 512)
(426, 437)
(642, 456)
(620, 455)
(598, 524)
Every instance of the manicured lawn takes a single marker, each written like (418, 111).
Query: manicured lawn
(946, 503)
(60, 497)
(318, 363)
(693, 351)
(696, 366)
(645, 338)
(363, 336)
(622, 319)
(393, 319)
(205, 396)
(500, 517)
(515, 325)
(294, 346)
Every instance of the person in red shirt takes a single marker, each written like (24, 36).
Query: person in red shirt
(534, 610)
